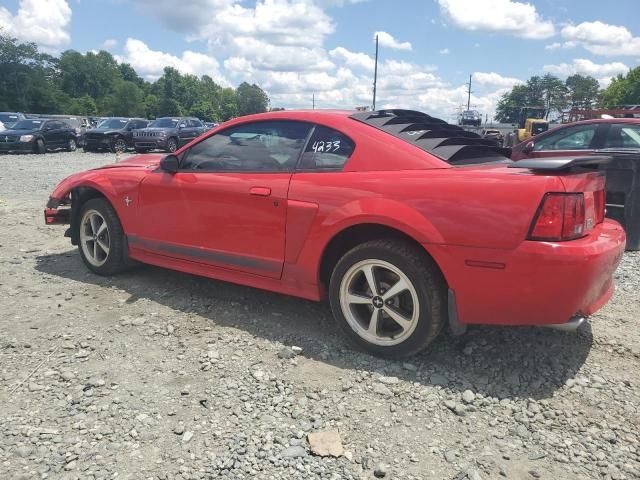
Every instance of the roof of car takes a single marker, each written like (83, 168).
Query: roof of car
(601, 120)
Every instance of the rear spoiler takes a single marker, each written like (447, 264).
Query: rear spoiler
(558, 164)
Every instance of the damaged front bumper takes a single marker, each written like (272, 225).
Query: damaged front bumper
(57, 212)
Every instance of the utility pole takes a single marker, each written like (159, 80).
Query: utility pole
(375, 76)
(313, 100)
(469, 94)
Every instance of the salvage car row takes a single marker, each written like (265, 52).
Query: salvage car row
(19, 134)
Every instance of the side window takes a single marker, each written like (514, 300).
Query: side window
(195, 123)
(577, 138)
(327, 149)
(623, 136)
(270, 146)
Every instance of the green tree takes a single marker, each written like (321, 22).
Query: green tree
(127, 100)
(623, 90)
(251, 99)
(582, 91)
(228, 106)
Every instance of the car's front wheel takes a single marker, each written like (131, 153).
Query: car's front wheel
(72, 145)
(388, 297)
(101, 240)
(172, 145)
(39, 146)
(119, 145)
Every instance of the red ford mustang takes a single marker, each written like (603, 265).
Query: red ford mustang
(405, 222)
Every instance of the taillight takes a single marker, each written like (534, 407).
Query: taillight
(561, 216)
(599, 200)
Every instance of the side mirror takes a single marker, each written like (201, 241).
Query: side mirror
(528, 148)
(182, 125)
(170, 164)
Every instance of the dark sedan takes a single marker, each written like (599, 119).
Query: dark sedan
(113, 134)
(38, 136)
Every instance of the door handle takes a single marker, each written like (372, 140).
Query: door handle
(260, 191)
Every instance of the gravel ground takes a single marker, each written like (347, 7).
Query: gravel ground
(159, 375)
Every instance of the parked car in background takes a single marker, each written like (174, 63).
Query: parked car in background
(581, 138)
(38, 135)
(210, 125)
(406, 223)
(470, 117)
(113, 134)
(8, 119)
(493, 134)
(168, 134)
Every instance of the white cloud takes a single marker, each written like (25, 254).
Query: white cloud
(386, 40)
(493, 79)
(603, 72)
(506, 16)
(553, 46)
(45, 22)
(150, 63)
(280, 45)
(601, 39)
(355, 60)
(109, 44)
(444, 51)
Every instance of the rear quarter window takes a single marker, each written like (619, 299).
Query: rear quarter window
(327, 149)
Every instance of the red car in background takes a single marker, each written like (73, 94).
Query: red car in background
(581, 138)
(404, 222)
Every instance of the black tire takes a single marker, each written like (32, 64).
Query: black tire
(427, 282)
(72, 145)
(142, 150)
(116, 260)
(119, 145)
(39, 147)
(172, 145)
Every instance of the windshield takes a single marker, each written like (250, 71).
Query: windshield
(28, 125)
(8, 118)
(112, 123)
(74, 122)
(165, 123)
(539, 128)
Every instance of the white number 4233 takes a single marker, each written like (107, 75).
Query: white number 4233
(328, 147)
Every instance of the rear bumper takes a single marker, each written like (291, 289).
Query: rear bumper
(538, 283)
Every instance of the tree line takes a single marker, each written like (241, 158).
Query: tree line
(576, 92)
(95, 84)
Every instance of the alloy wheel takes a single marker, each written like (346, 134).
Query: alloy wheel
(120, 146)
(379, 302)
(94, 238)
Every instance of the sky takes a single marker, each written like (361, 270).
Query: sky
(296, 50)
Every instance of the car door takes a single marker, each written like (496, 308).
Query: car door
(52, 133)
(623, 135)
(226, 206)
(567, 141)
(185, 132)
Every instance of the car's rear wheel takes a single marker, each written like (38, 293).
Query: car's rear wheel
(172, 145)
(101, 240)
(119, 145)
(388, 297)
(72, 145)
(40, 147)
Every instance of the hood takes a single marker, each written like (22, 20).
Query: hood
(19, 132)
(102, 131)
(139, 161)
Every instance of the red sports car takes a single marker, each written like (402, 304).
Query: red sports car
(404, 222)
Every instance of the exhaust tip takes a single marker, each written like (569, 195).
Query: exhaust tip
(571, 326)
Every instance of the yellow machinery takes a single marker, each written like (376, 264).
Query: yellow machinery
(531, 123)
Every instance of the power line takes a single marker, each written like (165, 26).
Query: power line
(375, 75)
